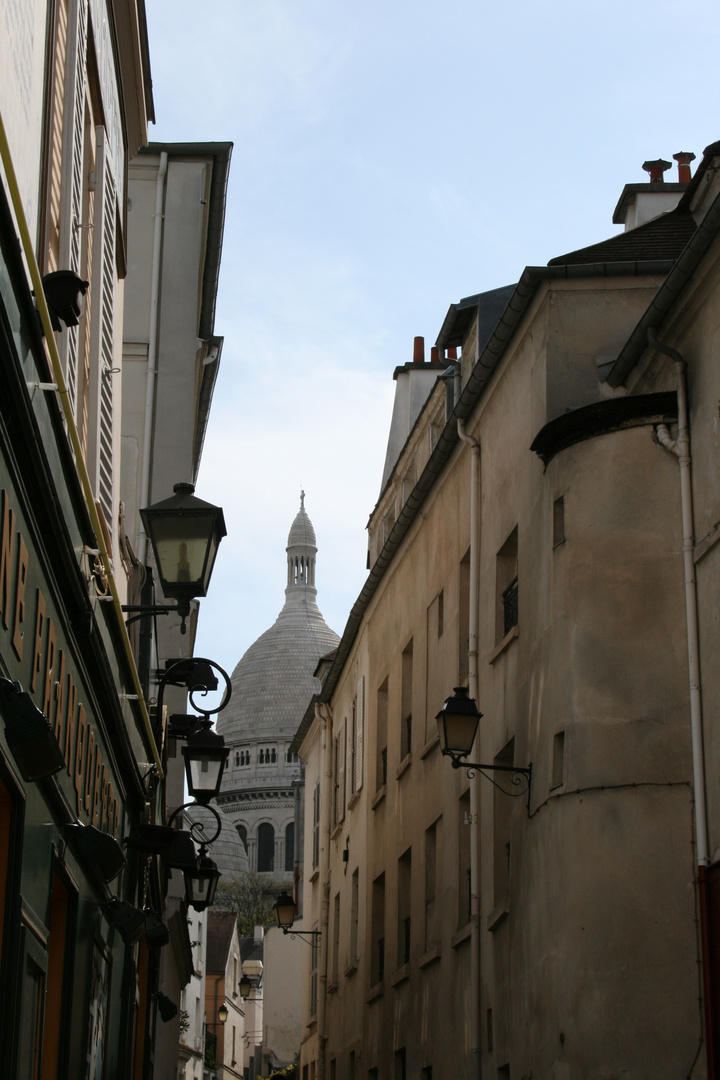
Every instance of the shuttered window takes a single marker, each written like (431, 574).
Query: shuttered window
(76, 182)
(359, 732)
(100, 434)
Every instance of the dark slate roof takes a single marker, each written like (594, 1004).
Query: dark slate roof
(664, 237)
(220, 926)
(250, 949)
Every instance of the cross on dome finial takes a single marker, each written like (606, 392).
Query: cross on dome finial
(302, 499)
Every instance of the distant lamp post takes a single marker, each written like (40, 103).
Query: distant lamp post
(457, 727)
(245, 987)
(284, 909)
(185, 533)
(222, 1013)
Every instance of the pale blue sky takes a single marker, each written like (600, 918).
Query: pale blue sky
(390, 159)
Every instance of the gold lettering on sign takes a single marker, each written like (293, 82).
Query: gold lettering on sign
(59, 698)
(70, 724)
(96, 789)
(80, 756)
(49, 668)
(22, 569)
(37, 650)
(104, 786)
(87, 787)
(7, 543)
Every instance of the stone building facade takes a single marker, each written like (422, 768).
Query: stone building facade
(536, 559)
(270, 688)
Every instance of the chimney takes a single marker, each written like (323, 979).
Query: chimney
(683, 159)
(452, 353)
(656, 170)
(419, 350)
(434, 355)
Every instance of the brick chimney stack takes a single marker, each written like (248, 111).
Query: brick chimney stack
(419, 350)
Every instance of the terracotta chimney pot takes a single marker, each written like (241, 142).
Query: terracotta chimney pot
(419, 350)
(683, 159)
(656, 170)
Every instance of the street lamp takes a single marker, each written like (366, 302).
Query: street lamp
(201, 882)
(245, 986)
(284, 909)
(457, 727)
(205, 756)
(185, 533)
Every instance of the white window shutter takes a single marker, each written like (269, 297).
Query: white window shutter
(359, 732)
(76, 146)
(100, 434)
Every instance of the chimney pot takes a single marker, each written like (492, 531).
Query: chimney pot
(419, 350)
(452, 353)
(656, 170)
(683, 159)
(434, 355)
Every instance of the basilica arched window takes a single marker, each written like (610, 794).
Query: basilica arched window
(273, 755)
(237, 758)
(266, 848)
(290, 846)
(261, 758)
(242, 833)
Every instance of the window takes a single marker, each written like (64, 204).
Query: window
(316, 826)
(354, 906)
(242, 833)
(464, 620)
(314, 975)
(266, 848)
(432, 907)
(237, 758)
(261, 757)
(464, 860)
(506, 578)
(400, 1065)
(437, 663)
(404, 912)
(388, 522)
(289, 847)
(335, 968)
(339, 776)
(406, 709)
(501, 830)
(408, 483)
(356, 738)
(377, 959)
(382, 718)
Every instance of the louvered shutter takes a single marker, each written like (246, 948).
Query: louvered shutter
(100, 434)
(76, 79)
(359, 732)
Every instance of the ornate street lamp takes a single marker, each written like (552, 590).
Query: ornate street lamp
(185, 533)
(201, 883)
(457, 727)
(205, 756)
(245, 986)
(284, 909)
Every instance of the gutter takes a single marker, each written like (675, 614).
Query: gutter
(488, 360)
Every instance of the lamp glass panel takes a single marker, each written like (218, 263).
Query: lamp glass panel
(457, 731)
(182, 545)
(284, 911)
(204, 773)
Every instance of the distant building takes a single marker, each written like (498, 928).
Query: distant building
(270, 688)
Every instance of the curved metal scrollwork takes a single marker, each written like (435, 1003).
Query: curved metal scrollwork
(520, 778)
(197, 828)
(204, 690)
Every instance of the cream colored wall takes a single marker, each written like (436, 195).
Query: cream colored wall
(22, 86)
(589, 957)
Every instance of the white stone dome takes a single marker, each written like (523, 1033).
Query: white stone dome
(273, 683)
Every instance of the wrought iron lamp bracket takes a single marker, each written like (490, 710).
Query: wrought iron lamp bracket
(520, 776)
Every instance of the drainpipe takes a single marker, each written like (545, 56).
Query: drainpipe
(681, 449)
(152, 343)
(474, 782)
(325, 714)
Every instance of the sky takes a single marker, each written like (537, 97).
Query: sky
(389, 159)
